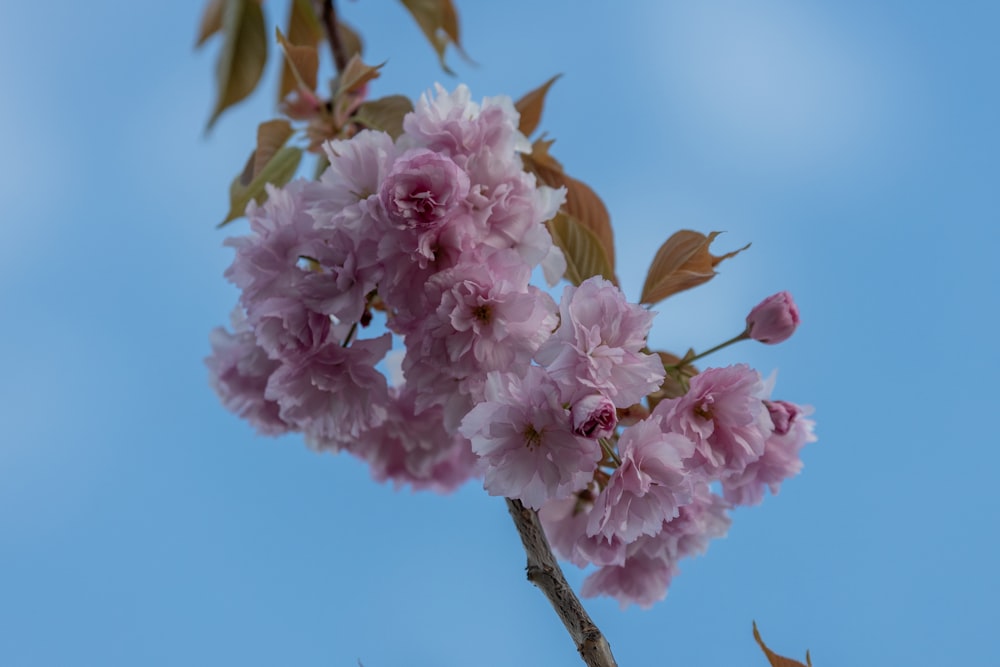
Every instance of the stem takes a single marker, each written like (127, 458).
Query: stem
(328, 15)
(544, 572)
(684, 362)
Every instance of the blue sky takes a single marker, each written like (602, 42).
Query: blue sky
(854, 143)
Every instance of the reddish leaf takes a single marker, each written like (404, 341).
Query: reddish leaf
(584, 255)
(384, 114)
(582, 203)
(243, 55)
(681, 263)
(530, 107)
(250, 186)
(439, 23)
(355, 75)
(271, 136)
(775, 659)
(302, 62)
(304, 30)
(211, 21)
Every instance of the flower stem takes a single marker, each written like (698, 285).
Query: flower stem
(684, 362)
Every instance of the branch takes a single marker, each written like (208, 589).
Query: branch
(544, 572)
(329, 16)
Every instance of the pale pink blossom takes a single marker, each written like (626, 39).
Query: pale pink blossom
(774, 319)
(334, 393)
(594, 416)
(238, 372)
(724, 415)
(414, 448)
(597, 347)
(524, 435)
(565, 523)
(689, 533)
(488, 316)
(452, 123)
(647, 487)
(346, 194)
(423, 195)
(792, 430)
(640, 580)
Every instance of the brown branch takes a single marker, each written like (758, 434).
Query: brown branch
(544, 572)
(328, 15)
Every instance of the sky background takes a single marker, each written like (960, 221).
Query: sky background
(853, 143)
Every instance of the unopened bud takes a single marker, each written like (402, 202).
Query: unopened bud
(594, 416)
(774, 319)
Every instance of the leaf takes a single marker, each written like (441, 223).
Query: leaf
(384, 114)
(350, 40)
(355, 75)
(304, 30)
(211, 21)
(271, 136)
(582, 202)
(439, 23)
(243, 54)
(530, 107)
(775, 659)
(302, 62)
(247, 186)
(681, 263)
(584, 255)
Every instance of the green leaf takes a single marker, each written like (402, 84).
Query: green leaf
(246, 187)
(682, 262)
(530, 107)
(584, 255)
(243, 55)
(439, 23)
(384, 114)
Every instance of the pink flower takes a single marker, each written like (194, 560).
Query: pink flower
(524, 435)
(423, 193)
(647, 487)
(774, 319)
(238, 372)
(594, 416)
(640, 580)
(414, 448)
(597, 347)
(780, 459)
(724, 414)
(489, 317)
(565, 523)
(333, 394)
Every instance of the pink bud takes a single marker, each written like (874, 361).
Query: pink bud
(783, 415)
(774, 319)
(594, 416)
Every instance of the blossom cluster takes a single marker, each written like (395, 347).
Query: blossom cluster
(432, 239)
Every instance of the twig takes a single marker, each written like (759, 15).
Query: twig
(329, 16)
(544, 572)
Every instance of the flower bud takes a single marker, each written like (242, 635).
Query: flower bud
(594, 416)
(783, 415)
(774, 319)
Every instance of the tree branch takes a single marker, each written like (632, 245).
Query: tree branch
(544, 572)
(328, 15)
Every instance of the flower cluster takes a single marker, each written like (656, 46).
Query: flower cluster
(437, 233)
